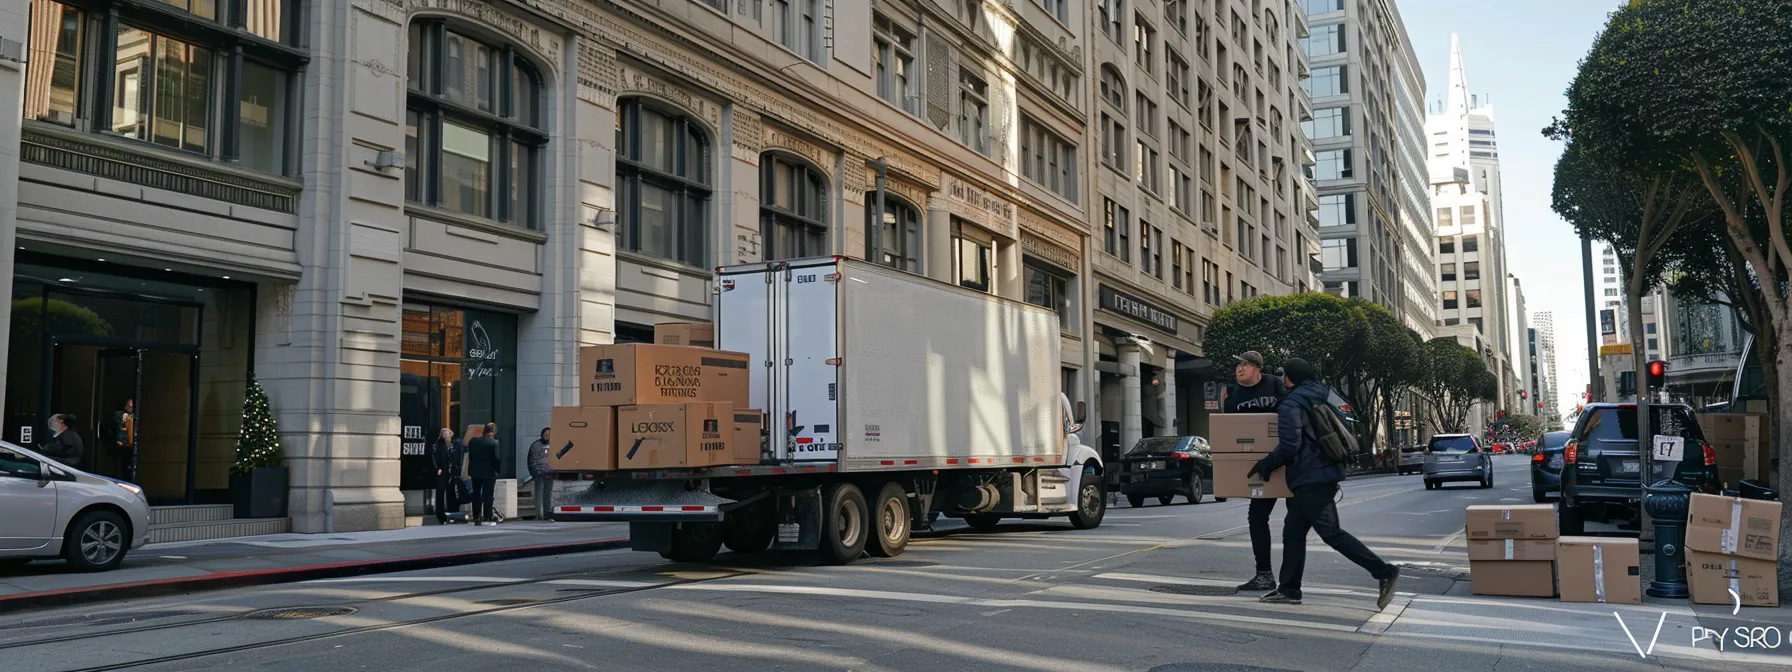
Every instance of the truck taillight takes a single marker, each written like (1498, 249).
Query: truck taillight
(1569, 452)
(1710, 455)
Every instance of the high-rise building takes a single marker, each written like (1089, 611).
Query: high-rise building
(1550, 388)
(1523, 398)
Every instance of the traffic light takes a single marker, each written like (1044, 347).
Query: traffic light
(1658, 374)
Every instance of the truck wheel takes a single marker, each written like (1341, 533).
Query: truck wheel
(1197, 488)
(892, 522)
(694, 542)
(982, 522)
(1092, 504)
(1136, 501)
(1570, 520)
(749, 534)
(844, 524)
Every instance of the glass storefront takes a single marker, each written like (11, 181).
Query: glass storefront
(458, 370)
(153, 365)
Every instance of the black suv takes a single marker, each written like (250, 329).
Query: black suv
(1601, 469)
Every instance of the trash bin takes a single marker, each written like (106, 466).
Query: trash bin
(1754, 490)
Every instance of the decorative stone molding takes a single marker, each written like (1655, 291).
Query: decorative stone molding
(142, 167)
(1046, 229)
(1036, 246)
(545, 43)
(598, 73)
(749, 135)
(634, 80)
(995, 212)
(910, 192)
(773, 138)
(939, 81)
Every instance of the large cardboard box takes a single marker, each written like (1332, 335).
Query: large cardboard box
(1749, 528)
(584, 438)
(1512, 549)
(1229, 479)
(1740, 441)
(1600, 569)
(1514, 578)
(659, 436)
(749, 435)
(1711, 577)
(1242, 432)
(694, 334)
(642, 373)
(1529, 521)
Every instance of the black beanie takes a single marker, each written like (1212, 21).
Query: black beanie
(1298, 370)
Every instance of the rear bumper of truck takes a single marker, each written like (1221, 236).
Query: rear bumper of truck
(689, 513)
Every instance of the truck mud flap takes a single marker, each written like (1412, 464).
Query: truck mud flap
(799, 521)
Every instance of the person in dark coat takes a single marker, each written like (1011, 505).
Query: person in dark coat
(541, 476)
(446, 453)
(483, 465)
(1256, 392)
(65, 445)
(1315, 482)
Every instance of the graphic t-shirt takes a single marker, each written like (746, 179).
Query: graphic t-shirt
(1259, 398)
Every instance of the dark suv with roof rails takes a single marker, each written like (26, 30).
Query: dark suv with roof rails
(1602, 471)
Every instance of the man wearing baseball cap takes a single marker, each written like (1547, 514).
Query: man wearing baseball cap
(1256, 392)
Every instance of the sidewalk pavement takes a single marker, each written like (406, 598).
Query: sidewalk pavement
(158, 569)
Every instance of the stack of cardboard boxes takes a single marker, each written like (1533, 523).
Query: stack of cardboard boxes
(1512, 550)
(1238, 441)
(1733, 544)
(668, 404)
(1740, 441)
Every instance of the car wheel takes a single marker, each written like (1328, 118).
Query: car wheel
(1197, 488)
(845, 524)
(96, 542)
(1486, 480)
(1092, 503)
(1430, 485)
(1136, 501)
(892, 522)
(1569, 520)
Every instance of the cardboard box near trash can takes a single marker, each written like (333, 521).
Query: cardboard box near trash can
(1242, 433)
(1748, 528)
(1711, 576)
(1600, 569)
(1230, 479)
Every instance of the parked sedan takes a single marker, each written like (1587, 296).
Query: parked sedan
(49, 510)
(1457, 457)
(1164, 467)
(1546, 466)
(1412, 459)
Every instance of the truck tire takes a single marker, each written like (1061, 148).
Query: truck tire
(749, 534)
(694, 542)
(1137, 501)
(982, 522)
(891, 522)
(1092, 502)
(845, 524)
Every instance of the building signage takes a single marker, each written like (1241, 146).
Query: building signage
(1131, 306)
(991, 211)
(1031, 244)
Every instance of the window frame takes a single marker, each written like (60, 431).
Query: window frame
(911, 244)
(973, 92)
(773, 215)
(633, 172)
(893, 44)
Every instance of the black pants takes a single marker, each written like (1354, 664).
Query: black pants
(483, 489)
(1314, 508)
(1258, 518)
(444, 492)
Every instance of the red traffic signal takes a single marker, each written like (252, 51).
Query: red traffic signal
(1658, 371)
(1523, 394)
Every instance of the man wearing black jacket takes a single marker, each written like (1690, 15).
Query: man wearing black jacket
(1256, 392)
(482, 467)
(446, 453)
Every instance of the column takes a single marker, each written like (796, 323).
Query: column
(1132, 420)
(937, 236)
(14, 21)
(1008, 276)
(1168, 396)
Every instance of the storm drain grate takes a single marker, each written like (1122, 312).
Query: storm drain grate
(299, 613)
(506, 602)
(1206, 591)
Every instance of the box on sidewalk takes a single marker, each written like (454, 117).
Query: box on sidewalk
(643, 373)
(748, 443)
(1749, 528)
(1513, 578)
(1242, 433)
(1230, 479)
(1528, 521)
(1512, 549)
(1600, 569)
(657, 436)
(1740, 441)
(584, 438)
(1711, 577)
(694, 334)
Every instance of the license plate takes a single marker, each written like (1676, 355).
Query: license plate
(789, 533)
(1628, 467)
(1148, 466)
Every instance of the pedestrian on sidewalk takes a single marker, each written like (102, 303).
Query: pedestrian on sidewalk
(65, 445)
(446, 453)
(541, 476)
(483, 465)
(1314, 480)
(1256, 392)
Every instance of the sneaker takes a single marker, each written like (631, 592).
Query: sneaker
(1279, 597)
(1387, 591)
(1262, 581)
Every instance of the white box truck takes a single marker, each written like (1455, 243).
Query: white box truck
(891, 399)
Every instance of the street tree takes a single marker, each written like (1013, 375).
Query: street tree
(1457, 380)
(1386, 366)
(1323, 329)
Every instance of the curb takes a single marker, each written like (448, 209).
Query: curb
(63, 597)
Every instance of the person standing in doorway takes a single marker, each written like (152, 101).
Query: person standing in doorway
(446, 453)
(124, 438)
(541, 476)
(65, 445)
(1256, 392)
(483, 465)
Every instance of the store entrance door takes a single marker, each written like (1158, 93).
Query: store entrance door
(135, 410)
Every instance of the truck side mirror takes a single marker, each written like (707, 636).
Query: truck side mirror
(1082, 412)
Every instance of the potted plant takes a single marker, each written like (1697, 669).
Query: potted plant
(258, 477)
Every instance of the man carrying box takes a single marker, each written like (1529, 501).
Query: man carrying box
(1314, 480)
(1256, 392)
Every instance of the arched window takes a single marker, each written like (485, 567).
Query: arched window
(895, 241)
(793, 207)
(1113, 86)
(663, 184)
(473, 133)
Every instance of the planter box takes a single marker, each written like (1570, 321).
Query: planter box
(260, 493)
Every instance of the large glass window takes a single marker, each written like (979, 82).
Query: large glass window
(1047, 158)
(1332, 81)
(1333, 164)
(1116, 230)
(973, 111)
(1327, 123)
(457, 368)
(1050, 289)
(1337, 210)
(895, 49)
(472, 123)
(663, 184)
(1338, 253)
(793, 208)
(974, 265)
(1324, 40)
(896, 240)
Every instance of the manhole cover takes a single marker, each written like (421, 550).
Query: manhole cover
(299, 613)
(1209, 591)
(506, 602)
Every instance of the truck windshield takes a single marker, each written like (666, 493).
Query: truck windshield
(1453, 444)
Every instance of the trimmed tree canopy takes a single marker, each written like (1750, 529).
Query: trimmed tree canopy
(1323, 329)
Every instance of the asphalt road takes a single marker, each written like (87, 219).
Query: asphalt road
(1147, 591)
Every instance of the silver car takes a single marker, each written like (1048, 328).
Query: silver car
(50, 510)
(1457, 457)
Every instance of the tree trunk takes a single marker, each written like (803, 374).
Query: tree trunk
(1781, 415)
(1639, 355)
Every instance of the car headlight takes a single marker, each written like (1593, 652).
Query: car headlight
(133, 489)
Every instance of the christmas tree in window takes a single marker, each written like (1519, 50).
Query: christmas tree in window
(259, 443)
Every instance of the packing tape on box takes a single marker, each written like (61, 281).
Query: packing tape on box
(1598, 573)
(1509, 547)
(1734, 577)
(1506, 514)
(1732, 537)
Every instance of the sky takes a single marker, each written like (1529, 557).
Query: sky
(1521, 54)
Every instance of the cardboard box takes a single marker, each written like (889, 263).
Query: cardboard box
(641, 373)
(694, 334)
(749, 436)
(660, 436)
(1600, 569)
(1711, 577)
(1512, 549)
(1530, 521)
(1514, 578)
(1242, 433)
(1229, 479)
(1749, 528)
(1741, 443)
(584, 438)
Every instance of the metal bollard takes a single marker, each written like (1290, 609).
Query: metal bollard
(1667, 501)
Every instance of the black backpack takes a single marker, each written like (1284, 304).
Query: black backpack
(1337, 444)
